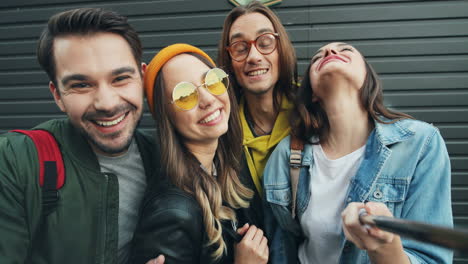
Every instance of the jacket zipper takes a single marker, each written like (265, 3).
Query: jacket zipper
(104, 201)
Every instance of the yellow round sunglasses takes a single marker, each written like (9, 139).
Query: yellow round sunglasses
(185, 94)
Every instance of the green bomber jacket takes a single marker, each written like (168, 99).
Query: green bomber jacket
(84, 226)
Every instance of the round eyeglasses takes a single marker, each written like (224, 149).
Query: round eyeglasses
(265, 44)
(185, 94)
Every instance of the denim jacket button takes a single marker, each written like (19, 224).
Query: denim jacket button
(349, 199)
(378, 194)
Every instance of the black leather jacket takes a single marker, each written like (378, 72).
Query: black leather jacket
(172, 224)
(255, 211)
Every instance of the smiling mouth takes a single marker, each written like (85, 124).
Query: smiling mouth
(211, 117)
(257, 72)
(111, 122)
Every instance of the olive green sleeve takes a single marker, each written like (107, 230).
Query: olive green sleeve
(15, 191)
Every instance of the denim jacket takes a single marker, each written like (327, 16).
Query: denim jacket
(405, 165)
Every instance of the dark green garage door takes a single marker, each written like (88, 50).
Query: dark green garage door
(419, 48)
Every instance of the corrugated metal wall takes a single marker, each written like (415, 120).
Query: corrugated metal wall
(419, 48)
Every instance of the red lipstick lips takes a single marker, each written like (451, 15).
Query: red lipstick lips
(330, 58)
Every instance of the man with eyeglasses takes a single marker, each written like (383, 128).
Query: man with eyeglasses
(256, 52)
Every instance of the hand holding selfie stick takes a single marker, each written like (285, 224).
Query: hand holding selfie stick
(446, 237)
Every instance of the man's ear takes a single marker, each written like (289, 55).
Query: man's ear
(143, 68)
(58, 99)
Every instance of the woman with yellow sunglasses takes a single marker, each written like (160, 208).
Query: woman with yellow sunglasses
(197, 212)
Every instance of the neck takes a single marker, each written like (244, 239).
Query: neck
(262, 111)
(204, 153)
(349, 125)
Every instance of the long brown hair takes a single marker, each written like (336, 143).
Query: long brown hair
(287, 82)
(309, 119)
(183, 169)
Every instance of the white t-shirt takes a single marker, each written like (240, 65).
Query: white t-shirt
(321, 221)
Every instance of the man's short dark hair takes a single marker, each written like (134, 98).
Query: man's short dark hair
(84, 21)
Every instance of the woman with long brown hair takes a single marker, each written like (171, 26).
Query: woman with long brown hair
(357, 156)
(193, 214)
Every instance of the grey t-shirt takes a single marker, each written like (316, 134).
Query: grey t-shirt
(131, 176)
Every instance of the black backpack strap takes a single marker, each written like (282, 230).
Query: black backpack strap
(50, 195)
(295, 163)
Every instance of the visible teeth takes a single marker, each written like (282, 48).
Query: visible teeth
(211, 117)
(110, 123)
(258, 72)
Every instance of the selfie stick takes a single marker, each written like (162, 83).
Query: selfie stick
(446, 237)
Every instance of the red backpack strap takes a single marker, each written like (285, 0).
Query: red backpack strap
(51, 168)
(295, 163)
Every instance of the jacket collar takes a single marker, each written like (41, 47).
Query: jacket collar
(73, 144)
(391, 133)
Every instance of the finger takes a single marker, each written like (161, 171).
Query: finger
(350, 216)
(258, 237)
(354, 231)
(375, 208)
(159, 260)
(263, 245)
(354, 239)
(266, 252)
(380, 235)
(351, 207)
(250, 233)
(241, 231)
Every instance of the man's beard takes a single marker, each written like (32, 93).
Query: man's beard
(105, 148)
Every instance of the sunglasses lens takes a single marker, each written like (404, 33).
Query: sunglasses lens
(216, 81)
(185, 96)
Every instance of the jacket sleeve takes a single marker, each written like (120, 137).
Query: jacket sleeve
(171, 225)
(14, 227)
(281, 229)
(429, 198)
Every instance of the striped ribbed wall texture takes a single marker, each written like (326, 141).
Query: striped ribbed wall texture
(419, 48)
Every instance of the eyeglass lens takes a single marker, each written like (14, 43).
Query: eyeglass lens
(185, 94)
(265, 44)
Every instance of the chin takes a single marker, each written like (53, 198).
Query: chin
(220, 131)
(111, 145)
(258, 90)
(112, 149)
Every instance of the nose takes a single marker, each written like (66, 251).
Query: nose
(254, 55)
(106, 98)
(330, 51)
(206, 99)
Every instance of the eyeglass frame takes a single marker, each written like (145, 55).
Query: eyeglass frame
(197, 87)
(254, 42)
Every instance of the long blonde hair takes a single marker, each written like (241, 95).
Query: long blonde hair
(183, 169)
